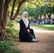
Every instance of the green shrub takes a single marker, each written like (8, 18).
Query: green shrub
(17, 21)
(11, 23)
(8, 20)
(13, 32)
(7, 46)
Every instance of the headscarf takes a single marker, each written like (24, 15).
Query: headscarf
(25, 20)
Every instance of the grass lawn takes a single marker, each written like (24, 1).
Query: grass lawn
(48, 26)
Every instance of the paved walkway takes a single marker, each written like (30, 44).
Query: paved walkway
(45, 44)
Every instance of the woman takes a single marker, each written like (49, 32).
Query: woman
(26, 34)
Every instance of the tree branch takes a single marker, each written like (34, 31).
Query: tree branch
(18, 9)
(12, 9)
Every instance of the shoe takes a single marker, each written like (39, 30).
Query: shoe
(34, 40)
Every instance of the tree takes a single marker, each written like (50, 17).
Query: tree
(39, 10)
(18, 9)
(3, 17)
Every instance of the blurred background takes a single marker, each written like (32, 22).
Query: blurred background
(40, 11)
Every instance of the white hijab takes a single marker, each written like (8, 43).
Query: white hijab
(25, 20)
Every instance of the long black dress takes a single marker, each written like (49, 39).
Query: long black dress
(24, 35)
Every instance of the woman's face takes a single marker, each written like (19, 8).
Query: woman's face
(26, 15)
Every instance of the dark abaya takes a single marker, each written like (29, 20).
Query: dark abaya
(24, 35)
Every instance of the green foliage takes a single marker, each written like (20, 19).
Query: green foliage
(40, 10)
(7, 46)
(31, 11)
(9, 38)
(11, 23)
(12, 28)
(13, 32)
(17, 21)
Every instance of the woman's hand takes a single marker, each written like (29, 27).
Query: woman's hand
(28, 30)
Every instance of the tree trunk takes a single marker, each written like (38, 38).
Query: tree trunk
(11, 17)
(49, 16)
(18, 9)
(3, 16)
